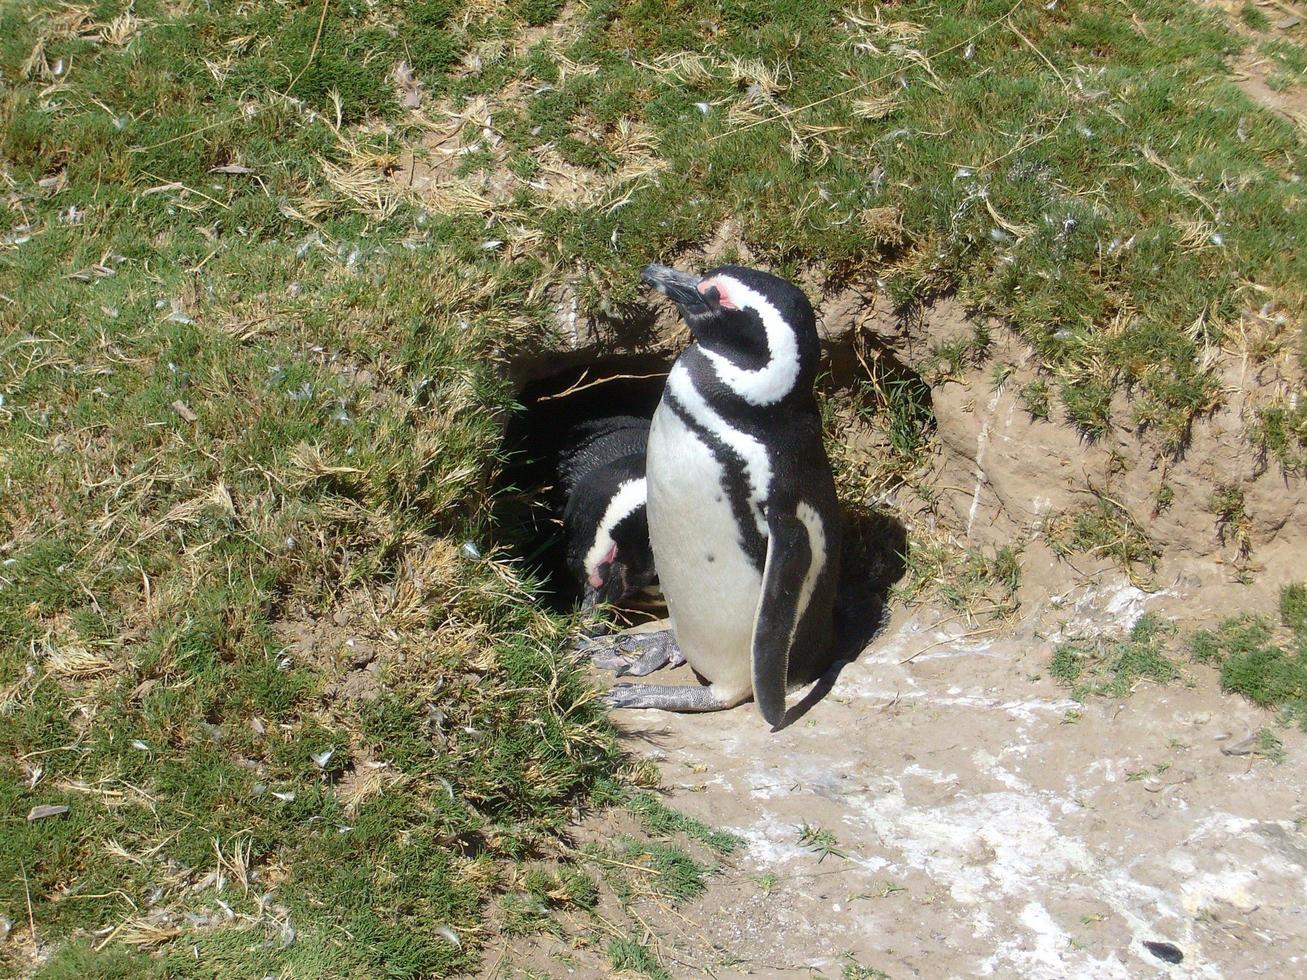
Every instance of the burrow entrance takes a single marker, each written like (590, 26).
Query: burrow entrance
(557, 392)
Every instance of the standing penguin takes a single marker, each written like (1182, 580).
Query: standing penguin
(743, 517)
(604, 523)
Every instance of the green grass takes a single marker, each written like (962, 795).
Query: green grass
(629, 954)
(253, 395)
(1265, 664)
(260, 412)
(1232, 522)
(1290, 64)
(1253, 17)
(969, 581)
(1280, 433)
(660, 820)
(1113, 668)
(821, 842)
(1107, 529)
(856, 971)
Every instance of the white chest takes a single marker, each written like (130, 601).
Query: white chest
(710, 585)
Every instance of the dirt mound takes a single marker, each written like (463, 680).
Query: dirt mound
(1214, 514)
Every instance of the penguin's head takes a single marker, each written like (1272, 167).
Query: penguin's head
(608, 537)
(760, 326)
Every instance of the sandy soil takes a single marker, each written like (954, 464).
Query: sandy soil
(988, 824)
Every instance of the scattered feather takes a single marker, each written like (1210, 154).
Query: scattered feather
(410, 89)
(46, 810)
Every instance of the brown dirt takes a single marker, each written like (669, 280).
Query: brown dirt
(1251, 73)
(989, 825)
(1251, 70)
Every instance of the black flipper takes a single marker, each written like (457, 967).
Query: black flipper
(789, 556)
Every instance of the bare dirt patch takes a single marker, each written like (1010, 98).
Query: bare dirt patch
(980, 822)
(1251, 72)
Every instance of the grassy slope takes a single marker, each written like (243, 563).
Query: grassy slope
(1086, 173)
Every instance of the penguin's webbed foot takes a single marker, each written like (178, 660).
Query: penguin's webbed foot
(668, 697)
(636, 654)
(659, 651)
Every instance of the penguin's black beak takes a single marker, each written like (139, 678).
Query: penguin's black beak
(682, 288)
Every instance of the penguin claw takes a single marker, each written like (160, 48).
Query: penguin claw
(604, 655)
(622, 696)
(651, 660)
(618, 664)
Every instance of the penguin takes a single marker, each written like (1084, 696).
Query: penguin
(605, 525)
(742, 512)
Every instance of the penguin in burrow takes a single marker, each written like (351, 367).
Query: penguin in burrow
(601, 476)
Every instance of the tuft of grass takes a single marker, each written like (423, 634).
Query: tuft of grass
(1232, 522)
(1290, 61)
(966, 580)
(1113, 668)
(1280, 433)
(660, 820)
(1270, 746)
(664, 871)
(1164, 497)
(1293, 607)
(565, 886)
(1104, 528)
(524, 915)
(625, 953)
(1268, 668)
(1034, 397)
(892, 405)
(820, 841)
(1254, 17)
(853, 970)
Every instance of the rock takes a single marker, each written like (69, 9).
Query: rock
(1243, 747)
(1166, 952)
(46, 810)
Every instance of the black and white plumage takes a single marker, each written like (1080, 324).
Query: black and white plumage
(604, 519)
(743, 517)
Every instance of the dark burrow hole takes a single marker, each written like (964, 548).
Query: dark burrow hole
(561, 391)
(556, 396)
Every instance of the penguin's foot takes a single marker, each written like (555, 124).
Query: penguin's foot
(634, 654)
(656, 650)
(665, 696)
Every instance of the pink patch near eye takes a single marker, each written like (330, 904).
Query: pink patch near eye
(595, 578)
(722, 296)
